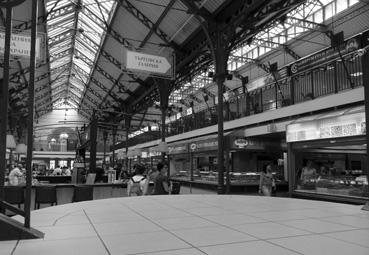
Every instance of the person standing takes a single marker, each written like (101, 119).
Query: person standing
(308, 172)
(161, 182)
(57, 171)
(15, 175)
(138, 183)
(266, 181)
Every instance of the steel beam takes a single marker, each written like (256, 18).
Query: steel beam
(148, 23)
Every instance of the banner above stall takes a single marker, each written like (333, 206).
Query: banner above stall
(347, 122)
(178, 148)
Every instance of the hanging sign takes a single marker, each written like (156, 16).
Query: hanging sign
(155, 65)
(20, 45)
(325, 55)
(241, 143)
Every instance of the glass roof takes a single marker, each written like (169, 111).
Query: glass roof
(75, 30)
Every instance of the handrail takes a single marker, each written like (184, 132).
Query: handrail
(10, 207)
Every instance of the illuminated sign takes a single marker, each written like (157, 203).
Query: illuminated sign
(330, 127)
(241, 143)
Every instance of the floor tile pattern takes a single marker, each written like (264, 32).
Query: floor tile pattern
(197, 224)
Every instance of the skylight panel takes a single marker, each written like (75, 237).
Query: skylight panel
(81, 64)
(91, 16)
(88, 51)
(59, 3)
(62, 21)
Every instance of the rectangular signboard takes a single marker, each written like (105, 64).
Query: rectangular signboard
(155, 65)
(20, 45)
(330, 127)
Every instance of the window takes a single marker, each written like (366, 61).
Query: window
(52, 164)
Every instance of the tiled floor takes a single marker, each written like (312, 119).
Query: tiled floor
(198, 224)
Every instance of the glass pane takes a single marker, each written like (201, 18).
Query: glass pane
(341, 5)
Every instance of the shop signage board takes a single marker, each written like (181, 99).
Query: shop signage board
(333, 127)
(155, 65)
(243, 143)
(177, 149)
(20, 45)
(205, 145)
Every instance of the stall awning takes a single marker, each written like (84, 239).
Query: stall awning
(340, 123)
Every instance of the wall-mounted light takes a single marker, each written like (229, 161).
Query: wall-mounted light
(10, 142)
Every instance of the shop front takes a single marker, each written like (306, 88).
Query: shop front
(196, 162)
(179, 160)
(327, 156)
(249, 156)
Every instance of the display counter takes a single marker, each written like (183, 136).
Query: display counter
(53, 178)
(239, 181)
(64, 192)
(355, 188)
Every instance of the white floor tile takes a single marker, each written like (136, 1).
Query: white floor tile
(360, 236)
(184, 223)
(317, 226)
(280, 215)
(6, 247)
(355, 221)
(211, 236)
(143, 242)
(202, 211)
(252, 247)
(176, 252)
(232, 219)
(72, 219)
(76, 246)
(126, 227)
(107, 217)
(268, 230)
(67, 232)
(165, 214)
(319, 244)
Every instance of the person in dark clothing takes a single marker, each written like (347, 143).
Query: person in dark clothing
(99, 174)
(161, 182)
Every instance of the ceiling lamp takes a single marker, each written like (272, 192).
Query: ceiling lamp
(10, 142)
(163, 147)
(21, 148)
(64, 136)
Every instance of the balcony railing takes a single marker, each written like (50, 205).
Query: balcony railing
(328, 78)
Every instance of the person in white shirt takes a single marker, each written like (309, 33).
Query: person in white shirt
(67, 172)
(57, 171)
(138, 183)
(15, 174)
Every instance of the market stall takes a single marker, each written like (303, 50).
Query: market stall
(328, 156)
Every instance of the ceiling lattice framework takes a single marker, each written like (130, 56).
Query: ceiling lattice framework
(84, 69)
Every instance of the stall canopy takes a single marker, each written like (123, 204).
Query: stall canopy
(334, 124)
